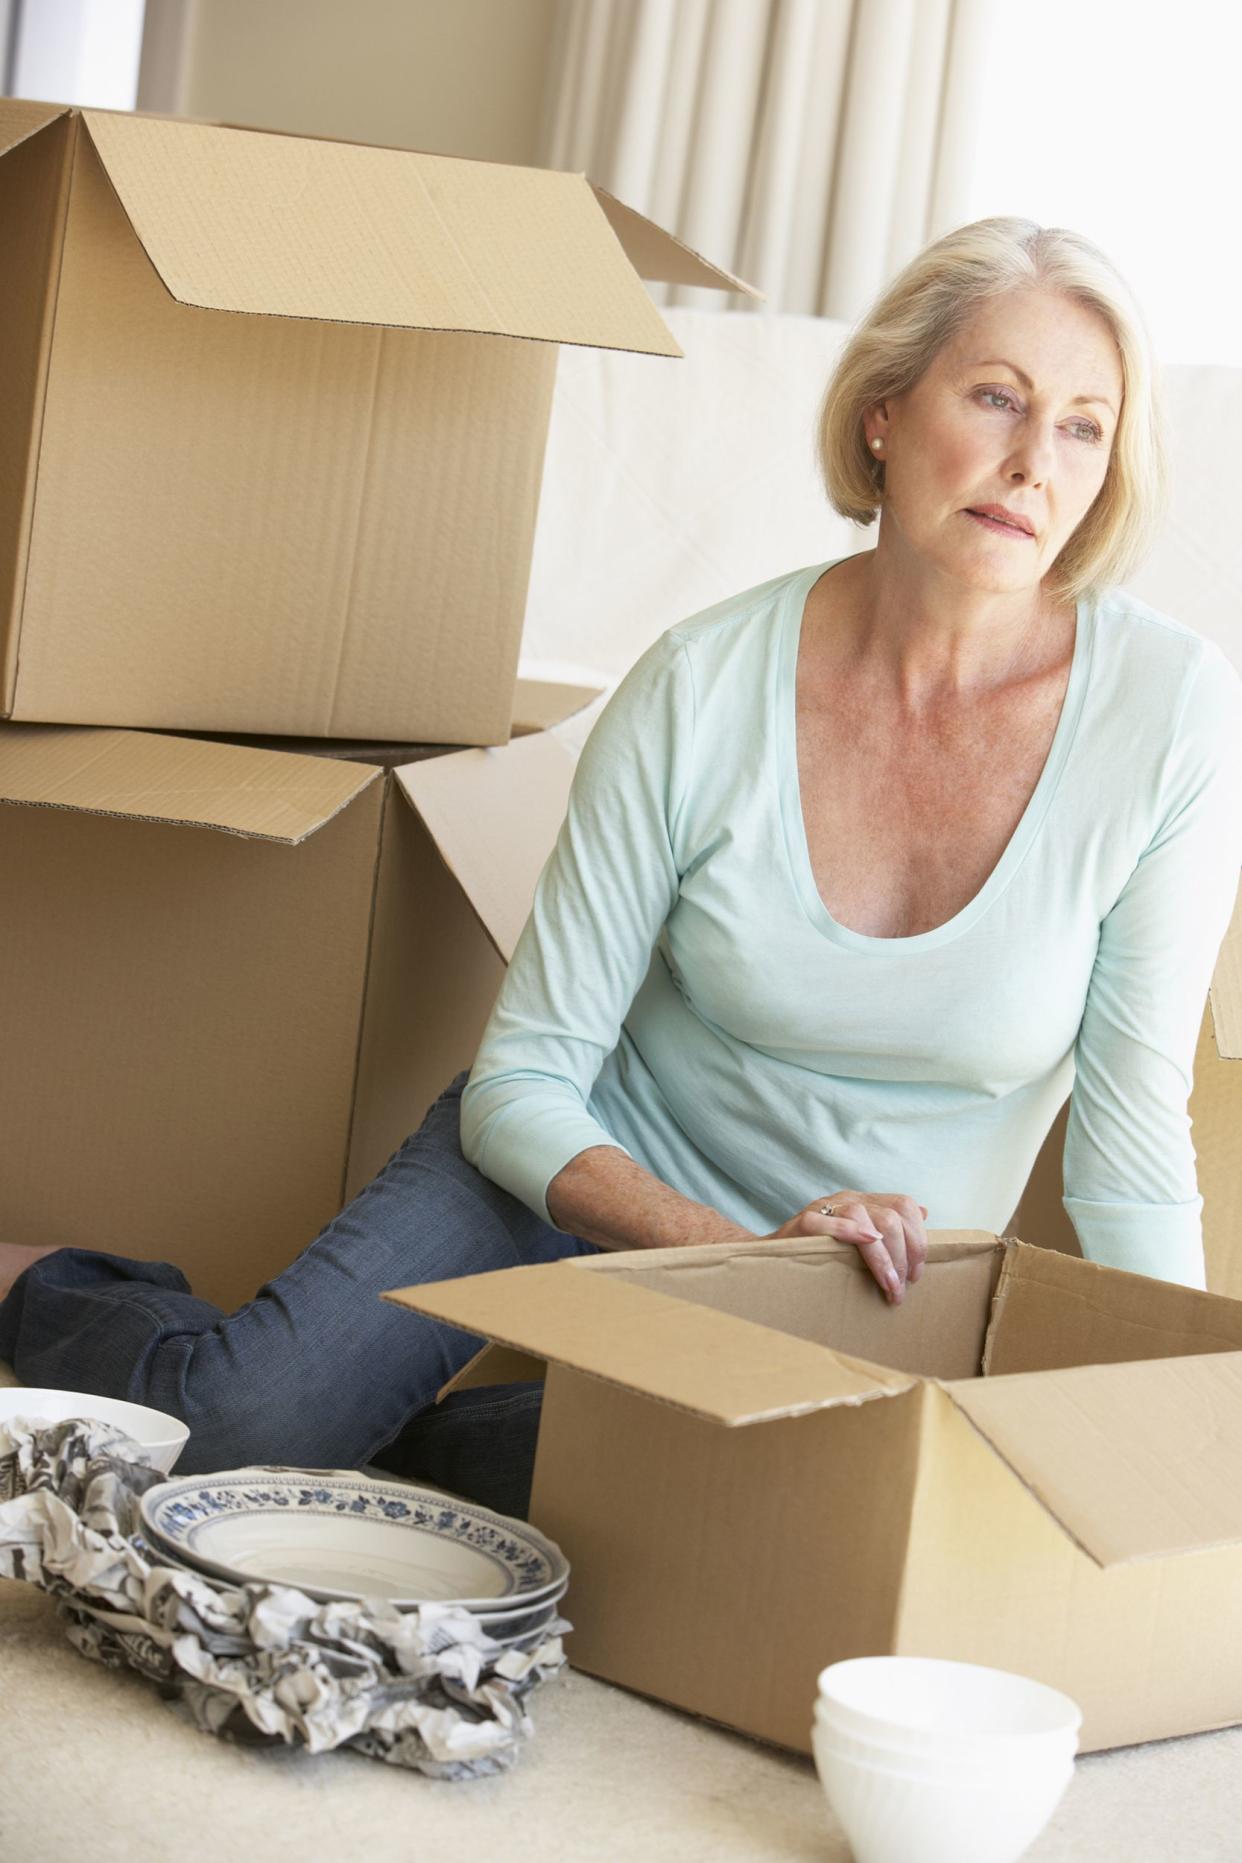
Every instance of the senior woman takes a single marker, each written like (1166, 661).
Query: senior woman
(862, 870)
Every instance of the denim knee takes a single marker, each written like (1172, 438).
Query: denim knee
(479, 1444)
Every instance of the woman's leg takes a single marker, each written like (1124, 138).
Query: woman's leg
(316, 1370)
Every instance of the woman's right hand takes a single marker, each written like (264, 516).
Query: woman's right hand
(888, 1232)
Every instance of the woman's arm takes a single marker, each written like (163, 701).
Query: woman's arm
(1130, 1186)
(599, 907)
(605, 1196)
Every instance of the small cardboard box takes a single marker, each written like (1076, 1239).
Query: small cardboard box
(272, 420)
(233, 978)
(756, 1467)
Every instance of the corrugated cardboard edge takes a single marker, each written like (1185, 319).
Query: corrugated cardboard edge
(387, 803)
(1000, 1299)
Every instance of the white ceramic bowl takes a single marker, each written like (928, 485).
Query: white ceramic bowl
(950, 1759)
(896, 1814)
(160, 1437)
(921, 1705)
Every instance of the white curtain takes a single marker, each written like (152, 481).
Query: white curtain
(811, 146)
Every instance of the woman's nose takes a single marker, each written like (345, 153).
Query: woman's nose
(1031, 460)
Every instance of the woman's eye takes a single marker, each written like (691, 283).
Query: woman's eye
(999, 398)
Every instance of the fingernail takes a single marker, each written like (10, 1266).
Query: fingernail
(872, 1235)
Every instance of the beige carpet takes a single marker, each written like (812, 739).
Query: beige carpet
(93, 1764)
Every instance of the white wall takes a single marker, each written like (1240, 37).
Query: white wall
(75, 51)
(461, 77)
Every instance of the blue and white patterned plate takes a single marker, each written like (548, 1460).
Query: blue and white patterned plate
(334, 1533)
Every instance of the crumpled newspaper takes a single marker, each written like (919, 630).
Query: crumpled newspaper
(426, 1689)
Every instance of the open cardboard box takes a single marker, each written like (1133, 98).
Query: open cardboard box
(234, 978)
(272, 419)
(756, 1467)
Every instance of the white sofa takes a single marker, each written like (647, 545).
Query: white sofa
(671, 484)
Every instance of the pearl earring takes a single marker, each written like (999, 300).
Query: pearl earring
(877, 445)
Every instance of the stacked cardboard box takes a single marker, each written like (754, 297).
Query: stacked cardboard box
(272, 419)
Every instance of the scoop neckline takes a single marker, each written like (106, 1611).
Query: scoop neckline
(785, 736)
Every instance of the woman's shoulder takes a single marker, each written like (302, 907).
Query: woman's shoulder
(1146, 648)
(752, 609)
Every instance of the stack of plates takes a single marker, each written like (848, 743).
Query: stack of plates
(334, 1534)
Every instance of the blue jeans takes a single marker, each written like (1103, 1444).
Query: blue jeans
(316, 1371)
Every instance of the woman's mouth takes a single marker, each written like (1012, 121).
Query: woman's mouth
(1003, 529)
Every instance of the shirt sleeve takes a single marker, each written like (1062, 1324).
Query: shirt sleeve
(1130, 1186)
(599, 907)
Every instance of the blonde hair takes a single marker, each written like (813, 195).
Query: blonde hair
(894, 344)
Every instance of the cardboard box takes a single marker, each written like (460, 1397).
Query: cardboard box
(756, 1467)
(1216, 1132)
(234, 978)
(272, 420)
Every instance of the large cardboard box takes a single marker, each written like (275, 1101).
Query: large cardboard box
(272, 420)
(756, 1467)
(233, 979)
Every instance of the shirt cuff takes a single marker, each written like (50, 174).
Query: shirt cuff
(1163, 1240)
(527, 1145)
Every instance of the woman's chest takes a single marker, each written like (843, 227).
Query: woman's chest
(904, 825)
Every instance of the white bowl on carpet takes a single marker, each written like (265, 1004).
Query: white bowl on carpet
(919, 1813)
(924, 1707)
(160, 1437)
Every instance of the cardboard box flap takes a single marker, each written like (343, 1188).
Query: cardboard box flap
(19, 119)
(281, 226)
(693, 1358)
(1226, 992)
(1134, 1460)
(661, 256)
(1053, 1310)
(266, 795)
(494, 816)
(538, 704)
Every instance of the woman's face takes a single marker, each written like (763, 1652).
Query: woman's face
(1017, 411)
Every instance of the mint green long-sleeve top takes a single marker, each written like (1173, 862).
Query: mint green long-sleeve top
(682, 992)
